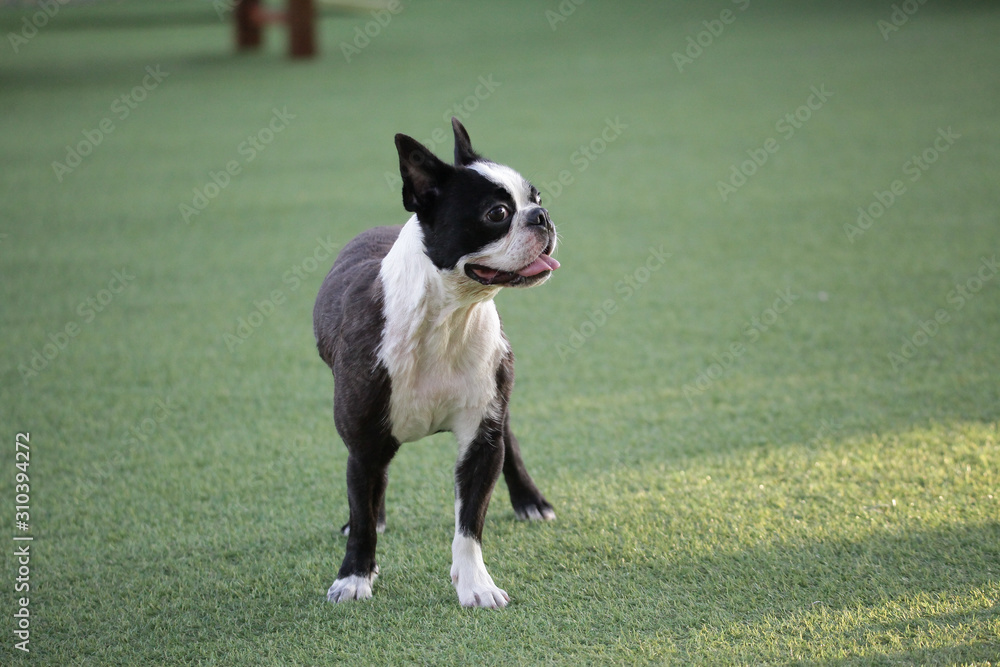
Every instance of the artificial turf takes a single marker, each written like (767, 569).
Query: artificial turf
(769, 428)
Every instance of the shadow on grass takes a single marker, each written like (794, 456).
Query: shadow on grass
(643, 428)
(871, 596)
(842, 574)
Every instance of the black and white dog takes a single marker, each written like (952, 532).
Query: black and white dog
(406, 321)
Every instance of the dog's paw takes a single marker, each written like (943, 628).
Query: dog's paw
(480, 594)
(350, 588)
(473, 583)
(537, 509)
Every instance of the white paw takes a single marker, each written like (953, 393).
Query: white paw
(473, 583)
(351, 588)
(532, 513)
(481, 595)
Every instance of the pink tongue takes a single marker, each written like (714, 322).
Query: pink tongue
(540, 265)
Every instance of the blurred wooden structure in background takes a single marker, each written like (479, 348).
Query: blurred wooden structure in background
(250, 18)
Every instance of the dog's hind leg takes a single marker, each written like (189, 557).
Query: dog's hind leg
(528, 501)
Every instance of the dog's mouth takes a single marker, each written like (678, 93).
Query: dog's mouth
(526, 275)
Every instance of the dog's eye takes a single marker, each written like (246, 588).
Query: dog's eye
(498, 214)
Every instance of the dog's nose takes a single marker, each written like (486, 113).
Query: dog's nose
(538, 216)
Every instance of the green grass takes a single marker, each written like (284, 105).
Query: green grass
(809, 503)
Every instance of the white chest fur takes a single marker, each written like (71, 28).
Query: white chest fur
(442, 344)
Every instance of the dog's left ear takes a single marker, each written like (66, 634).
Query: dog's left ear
(423, 174)
(464, 155)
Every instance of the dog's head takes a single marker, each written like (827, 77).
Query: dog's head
(481, 221)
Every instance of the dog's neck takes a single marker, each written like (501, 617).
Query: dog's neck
(429, 309)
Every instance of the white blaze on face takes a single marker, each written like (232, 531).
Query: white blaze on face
(508, 179)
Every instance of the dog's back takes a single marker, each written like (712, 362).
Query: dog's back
(354, 275)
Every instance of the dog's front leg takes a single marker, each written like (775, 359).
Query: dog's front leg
(367, 477)
(476, 473)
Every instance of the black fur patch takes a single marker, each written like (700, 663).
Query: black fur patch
(456, 225)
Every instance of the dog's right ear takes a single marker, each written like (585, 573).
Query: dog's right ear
(423, 173)
(464, 154)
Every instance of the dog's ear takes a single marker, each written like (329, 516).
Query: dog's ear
(464, 155)
(423, 173)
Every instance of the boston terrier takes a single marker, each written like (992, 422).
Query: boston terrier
(406, 321)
